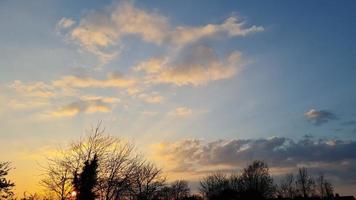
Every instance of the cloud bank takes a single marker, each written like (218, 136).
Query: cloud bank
(334, 157)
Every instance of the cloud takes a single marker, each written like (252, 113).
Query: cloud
(232, 27)
(67, 85)
(282, 154)
(101, 30)
(27, 103)
(42, 96)
(85, 106)
(153, 98)
(38, 89)
(64, 23)
(149, 113)
(181, 112)
(198, 66)
(319, 117)
(349, 123)
(112, 81)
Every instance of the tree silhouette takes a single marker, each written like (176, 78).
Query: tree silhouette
(324, 187)
(180, 190)
(256, 182)
(85, 182)
(5, 184)
(213, 185)
(58, 178)
(177, 190)
(287, 187)
(219, 186)
(147, 181)
(118, 167)
(305, 183)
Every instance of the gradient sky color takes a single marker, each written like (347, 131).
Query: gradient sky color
(161, 72)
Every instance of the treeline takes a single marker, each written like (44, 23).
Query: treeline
(107, 168)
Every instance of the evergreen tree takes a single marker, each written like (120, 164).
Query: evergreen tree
(5, 184)
(85, 182)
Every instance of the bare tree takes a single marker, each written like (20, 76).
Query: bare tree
(287, 187)
(329, 189)
(58, 178)
(320, 186)
(305, 183)
(180, 190)
(324, 187)
(213, 185)
(5, 184)
(118, 166)
(177, 190)
(147, 181)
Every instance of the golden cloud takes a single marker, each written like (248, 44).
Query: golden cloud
(200, 67)
(181, 112)
(106, 28)
(89, 106)
(112, 81)
(39, 89)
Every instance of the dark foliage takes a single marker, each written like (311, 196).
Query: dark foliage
(85, 182)
(255, 182)
(5, 184)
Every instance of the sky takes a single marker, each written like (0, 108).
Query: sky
(198, 86)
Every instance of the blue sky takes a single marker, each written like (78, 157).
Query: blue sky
(288, 71)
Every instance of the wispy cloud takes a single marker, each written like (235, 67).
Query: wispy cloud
(46, 96)
(39, 89)
(64, 23)
(185, 62)
(99, 30)
(319, 117)
(112, 81)
(85, 106)
(151, 98)
(25, 104)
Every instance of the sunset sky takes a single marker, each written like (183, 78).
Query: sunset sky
(198, 86)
